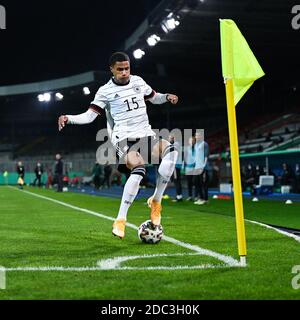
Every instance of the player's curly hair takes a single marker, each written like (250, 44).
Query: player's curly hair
(118, 57)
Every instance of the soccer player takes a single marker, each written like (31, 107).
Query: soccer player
(123, 100)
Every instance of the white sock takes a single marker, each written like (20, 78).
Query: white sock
(130, 191)
(165, 171)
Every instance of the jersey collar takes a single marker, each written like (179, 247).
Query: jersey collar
(120, 84)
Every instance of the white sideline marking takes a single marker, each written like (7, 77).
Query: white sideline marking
(228, 260)
(288, 234)
(53, 268)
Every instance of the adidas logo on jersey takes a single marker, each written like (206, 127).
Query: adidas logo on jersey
(117, 96)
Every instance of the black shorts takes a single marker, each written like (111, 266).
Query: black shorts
(142, 145)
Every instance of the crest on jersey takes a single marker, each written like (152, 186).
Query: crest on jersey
(136, 88)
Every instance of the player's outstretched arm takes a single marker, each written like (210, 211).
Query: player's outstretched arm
(160, 98)
(87, 117)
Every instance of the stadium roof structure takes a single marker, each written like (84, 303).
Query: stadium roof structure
(54, 84)
(192, 49)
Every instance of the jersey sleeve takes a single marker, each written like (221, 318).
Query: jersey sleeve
(148, 91)
(100, 101)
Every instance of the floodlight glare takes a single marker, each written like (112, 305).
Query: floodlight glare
(138, 53)
(152, 40)
(170, 23)
(41, 98)
(47, 97)
(44, 97)
(58, 96)
(86, 91)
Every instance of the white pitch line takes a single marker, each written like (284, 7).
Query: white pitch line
(226, 259)
(115, 263)
(83, 269)
(288, 234)
(53, 268)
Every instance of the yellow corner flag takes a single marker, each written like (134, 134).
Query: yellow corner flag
(238, 61)
(240, 69)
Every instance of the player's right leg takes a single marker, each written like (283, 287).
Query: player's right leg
(168, 154)
(135, 163)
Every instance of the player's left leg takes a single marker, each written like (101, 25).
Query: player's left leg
(168, 154)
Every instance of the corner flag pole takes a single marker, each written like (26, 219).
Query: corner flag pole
(235, 165)
(240, 69)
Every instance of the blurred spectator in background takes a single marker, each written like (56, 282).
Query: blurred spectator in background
(288, 176)
(21, 174)
(107, 175)
(66, 180)
(189, 165)
(116, 176)
(58, 172)
(38, 174)
(49, 182)
(201, 177)
(177, 172)
(97, 175)
(75, 181)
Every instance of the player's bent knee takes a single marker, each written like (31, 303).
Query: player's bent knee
(134, 159)
(139, 171)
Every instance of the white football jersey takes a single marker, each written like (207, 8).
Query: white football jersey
(125, 108)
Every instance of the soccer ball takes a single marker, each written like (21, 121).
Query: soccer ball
(149, 233)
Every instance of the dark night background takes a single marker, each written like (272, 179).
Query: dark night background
(49, 40)
(52, 39)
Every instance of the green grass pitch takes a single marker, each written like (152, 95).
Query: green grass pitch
(195, 261)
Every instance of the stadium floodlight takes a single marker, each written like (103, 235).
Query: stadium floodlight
(170, 22)
(44, 97)
(41, 98)
(47, 97)
(86, 91)
(138, 53)
(152, 40)
(58, 96)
